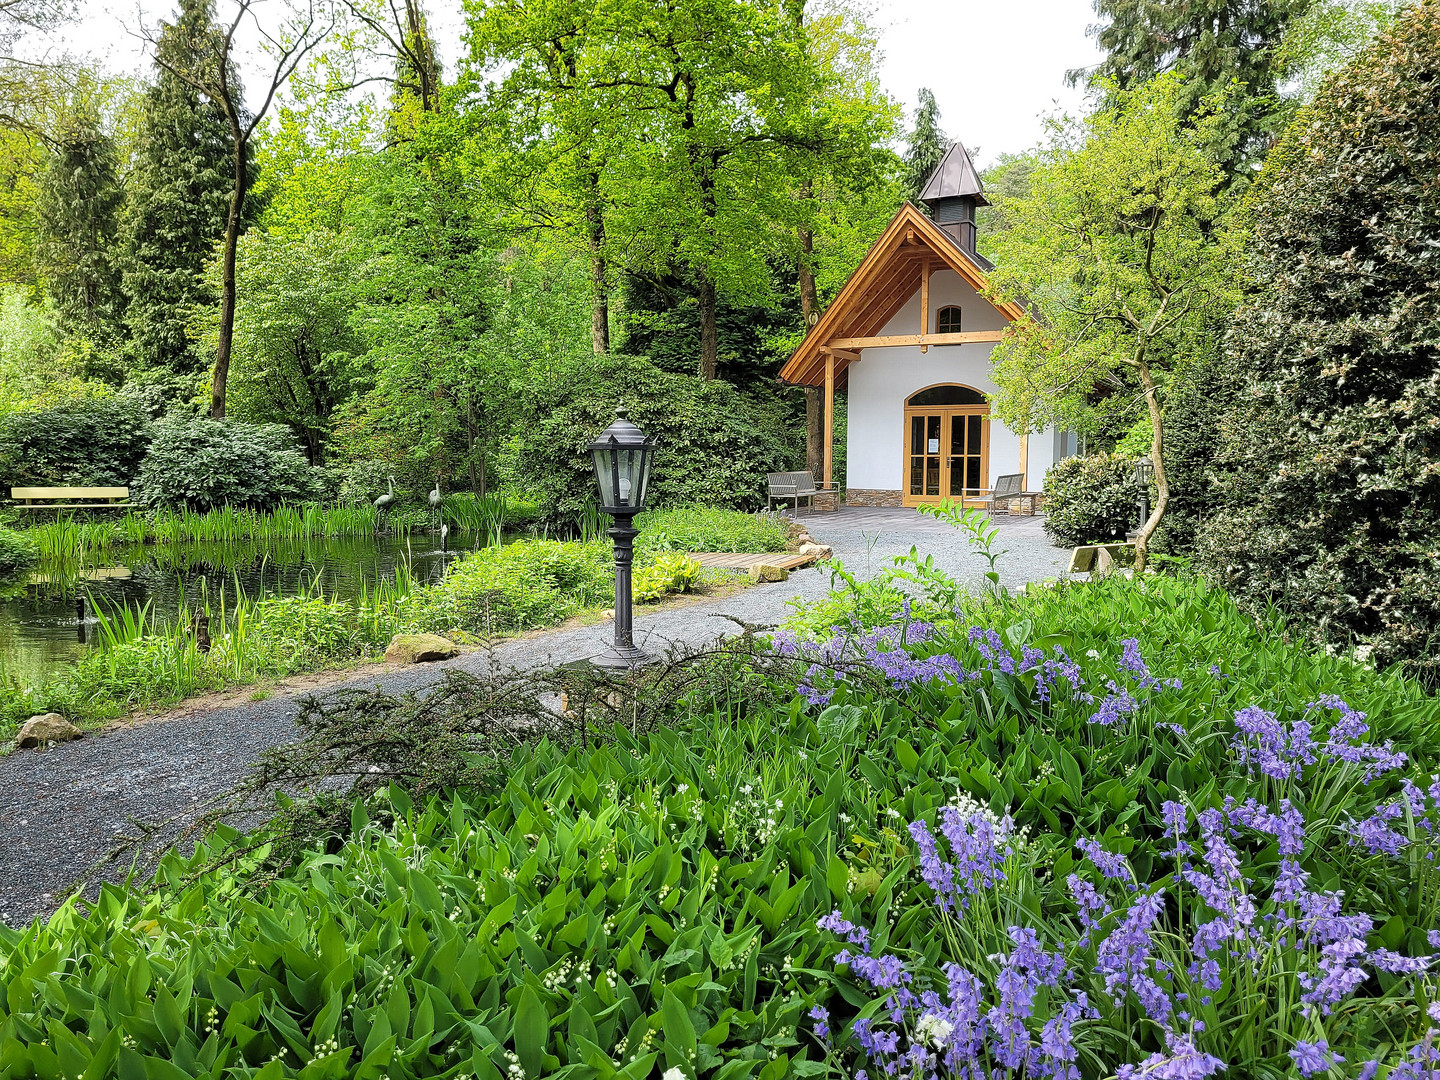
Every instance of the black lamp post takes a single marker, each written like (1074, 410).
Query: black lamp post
(622, 456)
(1144, 473)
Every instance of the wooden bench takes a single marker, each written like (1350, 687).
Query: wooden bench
(1008, 489)
(101, 498)
(797, 486)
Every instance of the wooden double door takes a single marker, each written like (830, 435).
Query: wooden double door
(947, 453)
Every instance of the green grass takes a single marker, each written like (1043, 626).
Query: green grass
(709, 528)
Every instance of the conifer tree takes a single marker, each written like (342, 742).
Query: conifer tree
(926, 145)
(1214, 47)
(179, 193)
(78, 212)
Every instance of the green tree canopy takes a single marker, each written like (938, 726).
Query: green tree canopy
(1118, 253)
(78, 212)
(1210, 46)
(179, 191)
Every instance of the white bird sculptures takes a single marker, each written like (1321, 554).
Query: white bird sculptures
(435, 497)
(389, 497)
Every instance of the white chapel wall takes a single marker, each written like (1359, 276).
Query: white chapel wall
(880, 383)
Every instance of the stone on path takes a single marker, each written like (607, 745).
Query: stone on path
(820, 551)
(764, 572)
(419, 649)
(46, 728)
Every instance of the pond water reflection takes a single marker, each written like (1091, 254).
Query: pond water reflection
(41, 625)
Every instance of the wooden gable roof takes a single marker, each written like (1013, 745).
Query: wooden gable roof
(891, 273)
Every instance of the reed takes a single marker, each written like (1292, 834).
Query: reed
(484, 515)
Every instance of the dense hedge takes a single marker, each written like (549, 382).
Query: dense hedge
(1090, 499)
(1332, 498)
(17, 552)
(1196, 405)
(716, 443)
(93, 441)
(202, 463)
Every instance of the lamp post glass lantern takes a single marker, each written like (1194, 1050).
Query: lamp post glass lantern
(622, 456)
(1144, 473)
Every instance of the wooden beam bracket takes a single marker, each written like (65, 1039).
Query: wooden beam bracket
(967, 338)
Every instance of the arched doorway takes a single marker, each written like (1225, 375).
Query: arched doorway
(947, 444)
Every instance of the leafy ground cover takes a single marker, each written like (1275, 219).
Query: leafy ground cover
(525, 585)
(1111, 829)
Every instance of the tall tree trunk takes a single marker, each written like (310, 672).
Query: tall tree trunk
(709, 333)
(1162, 483)
(221, 376)
(599, 288)
(470, 442)
(810, 309)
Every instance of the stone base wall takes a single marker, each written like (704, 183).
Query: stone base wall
(871, 497)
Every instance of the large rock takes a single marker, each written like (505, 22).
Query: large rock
(46, 728)
(419, 649)
(766, 572)
(821, 552)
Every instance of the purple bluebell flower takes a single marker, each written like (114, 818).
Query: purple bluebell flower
(1109, 864)
(1314, 1057)
(821, 1016)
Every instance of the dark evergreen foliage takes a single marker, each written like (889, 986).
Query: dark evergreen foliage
(925, 145)
(1196, 404)
(660, 320)
(716, 443)
(77, 213)
(1332, 485)
(179, 193)
(87, 441)
(1212, 43)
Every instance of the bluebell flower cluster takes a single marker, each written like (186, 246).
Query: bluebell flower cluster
(982, 1023)
(1119, 703)
(1281, 750)
(1405, 825)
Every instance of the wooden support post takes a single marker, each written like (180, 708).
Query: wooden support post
(924, 302)
(1025, 462)
(829, 421)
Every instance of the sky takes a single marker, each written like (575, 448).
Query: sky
(996, 68)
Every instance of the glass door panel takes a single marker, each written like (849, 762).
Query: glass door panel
(965, 457)
(932, 454)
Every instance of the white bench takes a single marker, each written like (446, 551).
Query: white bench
(41, 498)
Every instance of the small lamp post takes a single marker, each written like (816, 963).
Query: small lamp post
(1144, 473)
(622, 456)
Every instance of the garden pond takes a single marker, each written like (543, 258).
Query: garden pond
(48, 618)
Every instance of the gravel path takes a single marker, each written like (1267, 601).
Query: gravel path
(64, 810)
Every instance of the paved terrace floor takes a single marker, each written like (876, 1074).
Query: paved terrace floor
(62, 810)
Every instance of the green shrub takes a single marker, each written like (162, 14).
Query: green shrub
(709, 528)
(17, 552)
(519, 586)
(199, 463)
(1090, 499)
(716, 444)
(95, 441)
(1331, 490)
(672, 573)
